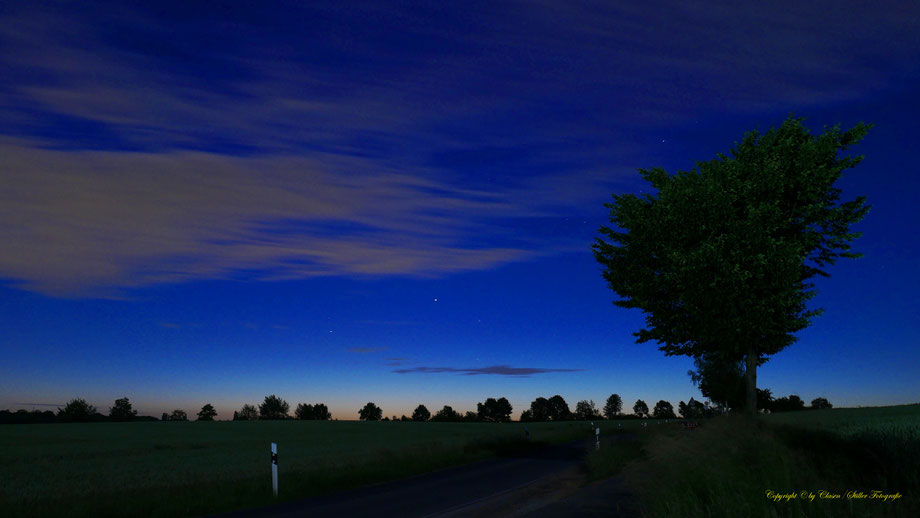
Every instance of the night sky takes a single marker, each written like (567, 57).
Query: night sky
(216, 201)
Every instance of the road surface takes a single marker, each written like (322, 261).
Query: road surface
(525, 482)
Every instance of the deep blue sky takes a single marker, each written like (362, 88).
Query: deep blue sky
(218, 201)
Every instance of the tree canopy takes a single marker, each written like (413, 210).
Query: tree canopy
(178, 415)
(122, 410)
(273, 407)
(495, 410)
(247, 413)
(585, 410)
(640, 408)
(370, 412)
(720, 258)
(613, 406)
(207, 413)
(76, 410)
(446, 414)
(421, 413)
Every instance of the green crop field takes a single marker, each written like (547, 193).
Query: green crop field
(193, 468)
(897, 421)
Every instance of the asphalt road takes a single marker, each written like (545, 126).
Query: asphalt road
(444, 492)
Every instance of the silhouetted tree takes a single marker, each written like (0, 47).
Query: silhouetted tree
(719, 260)
(640, 408)
(76, 410)
(446, 414)
(303, 412)
(122, 410)
(247, 413)
(613, 407)
(663, 410)
(540, 409)
(321, 412)
(370, 412)
(470, 416)
(178, 415)
(526, 416)
(273, 408)
(494, 410)
(403, 418)
(788, 404)
(165, 416)
(558, 409)
(207, 413)
(421, 413)
(585, 410)
(692, 409)
(820, 402)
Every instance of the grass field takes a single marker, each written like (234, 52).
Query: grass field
(194, 468)
(770, 467)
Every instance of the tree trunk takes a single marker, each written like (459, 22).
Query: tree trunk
(750, 382)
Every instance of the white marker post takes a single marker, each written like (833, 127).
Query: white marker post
(597, 435)
(275, 469)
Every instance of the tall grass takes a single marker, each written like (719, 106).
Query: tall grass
(727, 467)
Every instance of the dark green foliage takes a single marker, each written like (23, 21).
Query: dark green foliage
(613, 407)
(719, 260)
(178, 415)
(692, 409)
(640, 408)
(552, 409)
(494, 410)
(321, 412)
(303, 412)
(788, 404)
(421, 413)
(820, 403)
(663, 410)
(558, 409)
(585, 411)
(207, 413)
(76, 410)
(446, 414)
(370, 412)
(274, 408)
(247, 413)
(317, 412)
(122, 410)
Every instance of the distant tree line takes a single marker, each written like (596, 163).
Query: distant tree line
(491, 410)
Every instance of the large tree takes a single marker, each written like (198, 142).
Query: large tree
(76, 410)
(640, 408)
(613, 407)
(207, 413)
(370, 412)
(421, 413)
(122, 410)
(273, 407)
(585, 410)
(720, 258)
(495, 410)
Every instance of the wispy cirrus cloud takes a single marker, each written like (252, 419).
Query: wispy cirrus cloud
(500, 370)
(97, 222)
(144, 147)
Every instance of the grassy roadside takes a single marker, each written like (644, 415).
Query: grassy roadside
(72, 481)
(734, 467)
